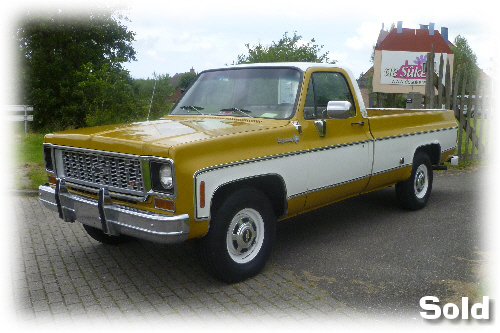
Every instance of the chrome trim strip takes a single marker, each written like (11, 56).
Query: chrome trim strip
(329, 186)
(271, 157)
(392, 169)
(114, 195)
(446, 150)
(417, 133)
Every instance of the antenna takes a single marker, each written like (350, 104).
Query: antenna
(152, 96)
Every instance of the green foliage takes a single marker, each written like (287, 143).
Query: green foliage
(163, 92)
(286, 49)
(466, 60)
(71, 71)
(58, 52)
(186, 79)
(105, 95)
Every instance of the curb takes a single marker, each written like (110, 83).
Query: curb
(30, 193)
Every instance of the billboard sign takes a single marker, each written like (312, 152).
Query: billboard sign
(406, 68)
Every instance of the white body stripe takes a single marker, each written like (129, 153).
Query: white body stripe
(389, 150)
(339, 165)
(313, 170)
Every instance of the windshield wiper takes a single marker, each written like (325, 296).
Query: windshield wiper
(192, 108)
(240, 111)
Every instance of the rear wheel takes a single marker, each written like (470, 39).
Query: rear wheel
(413, 193)
(241, 235)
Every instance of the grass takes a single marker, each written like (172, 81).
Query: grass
(29, 163)
(465, 163)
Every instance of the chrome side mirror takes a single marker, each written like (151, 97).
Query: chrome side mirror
(338, 109)
(334, 110)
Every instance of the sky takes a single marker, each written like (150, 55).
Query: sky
(175, 36)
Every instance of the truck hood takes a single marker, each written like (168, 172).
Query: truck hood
(142, 138)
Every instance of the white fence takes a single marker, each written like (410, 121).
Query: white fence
(19, 113)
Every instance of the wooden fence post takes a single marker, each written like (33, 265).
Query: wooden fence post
(468, 127)
(474, 125)
(429, 80)
(461, 117)
(440, 83)
(487, 114)
(479, 122)
(447, 85)
(455, 93)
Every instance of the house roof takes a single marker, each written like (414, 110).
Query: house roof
(414, 40)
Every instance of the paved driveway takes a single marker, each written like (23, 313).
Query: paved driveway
(63, 277)
(382, 260)
(358, 262)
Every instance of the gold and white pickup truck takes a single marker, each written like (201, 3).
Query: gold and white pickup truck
(244, 147)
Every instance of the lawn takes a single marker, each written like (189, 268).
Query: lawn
(28, 159)
(481, 131)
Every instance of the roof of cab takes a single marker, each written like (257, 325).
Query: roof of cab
(301, 65)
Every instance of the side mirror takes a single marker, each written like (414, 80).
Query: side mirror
(338, 109)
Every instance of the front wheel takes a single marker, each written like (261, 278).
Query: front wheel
(413, 193)
(241, 235)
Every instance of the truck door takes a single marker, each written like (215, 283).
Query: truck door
(341, 149)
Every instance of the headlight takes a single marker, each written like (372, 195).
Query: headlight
(162, 176)
(47, 156)
(166, 177)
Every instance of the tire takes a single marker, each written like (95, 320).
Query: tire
(413, 193)
(240, 238)
(100, 236)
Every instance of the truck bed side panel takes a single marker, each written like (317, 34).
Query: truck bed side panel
(399, 133)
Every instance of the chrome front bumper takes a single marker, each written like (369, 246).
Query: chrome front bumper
(112, 218)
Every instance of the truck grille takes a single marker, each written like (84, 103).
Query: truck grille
(120, 173)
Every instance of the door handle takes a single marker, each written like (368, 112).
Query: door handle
(361, 123)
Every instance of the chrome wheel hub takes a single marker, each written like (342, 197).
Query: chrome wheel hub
(245, 235)
(421, 181)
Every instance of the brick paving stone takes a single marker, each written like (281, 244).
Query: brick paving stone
(62, 276)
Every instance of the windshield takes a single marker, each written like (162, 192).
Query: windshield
(245, 92)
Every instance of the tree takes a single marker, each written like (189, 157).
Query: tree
(58, 50)
(105, 94)
(466, 60)
(286, 49)
(160, 104)
(186, 79)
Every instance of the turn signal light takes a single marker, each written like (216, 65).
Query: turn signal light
(165, 204)
(52, 180)
(202, 194)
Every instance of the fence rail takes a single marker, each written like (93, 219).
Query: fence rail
(19, 113)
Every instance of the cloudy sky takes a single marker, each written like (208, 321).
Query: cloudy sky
(175, 36)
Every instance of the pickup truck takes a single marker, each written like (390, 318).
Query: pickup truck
(244, 147)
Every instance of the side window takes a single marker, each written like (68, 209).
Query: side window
(325, 87)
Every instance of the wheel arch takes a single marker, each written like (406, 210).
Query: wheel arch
(272, 185)
(433, 150)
